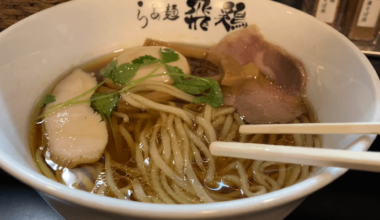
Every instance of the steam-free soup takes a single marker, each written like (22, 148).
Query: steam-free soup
(137, 125)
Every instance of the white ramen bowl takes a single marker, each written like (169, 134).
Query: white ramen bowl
(342, 86)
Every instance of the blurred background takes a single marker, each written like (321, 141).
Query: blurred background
(358, 20)
(355, 195)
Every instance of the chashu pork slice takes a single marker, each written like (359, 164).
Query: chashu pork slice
(76, 134)
(275, 98)
(249, 46)
(261, 102)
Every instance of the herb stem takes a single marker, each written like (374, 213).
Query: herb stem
(130, 85)
(155, 69)
(81, 95)
(113, 131)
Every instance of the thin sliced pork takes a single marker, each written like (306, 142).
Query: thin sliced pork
(248, 45)
(259, 100)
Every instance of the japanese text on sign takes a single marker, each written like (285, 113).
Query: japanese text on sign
(326, 10)
(369, 13)
(197, 16)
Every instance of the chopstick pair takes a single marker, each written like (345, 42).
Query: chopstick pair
(366, 161)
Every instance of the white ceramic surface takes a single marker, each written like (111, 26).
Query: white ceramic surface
(343, 87)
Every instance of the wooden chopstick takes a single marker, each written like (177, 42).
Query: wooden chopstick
(366, 161)
(313, 128)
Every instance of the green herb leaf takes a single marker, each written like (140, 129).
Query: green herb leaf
(193, 86)
(105, 106)
(175, 70)
(145, 60)
(214, 97)
(124, 73)
(109, 69)
(196, 85)
(168, 55)
(47, 99)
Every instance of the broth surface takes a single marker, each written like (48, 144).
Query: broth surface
(137, 174)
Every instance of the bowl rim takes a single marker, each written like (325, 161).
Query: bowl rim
(212, 210)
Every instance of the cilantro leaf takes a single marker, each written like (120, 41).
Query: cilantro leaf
(175, 70)
(109, 69)
(47, 99)
(193, 86)
(105, 106)
(145, 60)
(208, 90)
(124, 73)
(214, 97)
(168, 55)
(197, 86)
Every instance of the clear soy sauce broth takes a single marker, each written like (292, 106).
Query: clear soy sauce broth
(92, 177)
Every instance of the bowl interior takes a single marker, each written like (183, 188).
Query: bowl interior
(342, 85)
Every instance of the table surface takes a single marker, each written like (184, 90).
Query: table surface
(355, 195)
